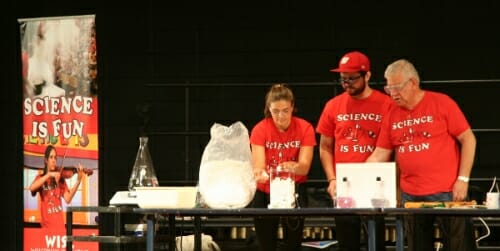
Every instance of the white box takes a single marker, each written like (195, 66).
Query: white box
(166, 197)
(362, 177)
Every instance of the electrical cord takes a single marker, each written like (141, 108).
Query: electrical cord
(493, 185)
(487, 231)
(440, 245)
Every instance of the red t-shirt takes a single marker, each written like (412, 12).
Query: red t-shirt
(354, 124)
(299, 133)
(424, 140)
(51, 204)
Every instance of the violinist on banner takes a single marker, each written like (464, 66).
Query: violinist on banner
(51, 184)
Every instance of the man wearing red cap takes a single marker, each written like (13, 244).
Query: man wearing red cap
(349, 126)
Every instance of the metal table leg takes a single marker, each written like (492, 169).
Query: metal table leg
(171, 232)
(197, 233)
(372, 234)
(150, 233)
(400, 244)
(117, 229)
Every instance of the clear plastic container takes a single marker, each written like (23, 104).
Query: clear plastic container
(344, 198)
(282, 187)
(379, 200)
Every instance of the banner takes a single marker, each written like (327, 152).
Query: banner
(60, 129)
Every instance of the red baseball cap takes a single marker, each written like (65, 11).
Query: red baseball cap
(353, 62)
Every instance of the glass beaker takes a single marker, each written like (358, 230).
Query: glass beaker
(143, 172)
(282, 187)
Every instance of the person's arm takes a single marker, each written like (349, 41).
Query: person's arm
(399, 200)
(259, 163)
(380, 155)
(326, 156)
(68, 194)
(384, 155)
(303, 164)
(467, 151)
(37, 183)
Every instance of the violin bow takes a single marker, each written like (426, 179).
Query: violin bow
(64, 157)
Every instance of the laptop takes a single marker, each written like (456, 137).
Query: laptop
(363, 183)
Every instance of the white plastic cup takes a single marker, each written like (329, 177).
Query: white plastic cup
(492, 200)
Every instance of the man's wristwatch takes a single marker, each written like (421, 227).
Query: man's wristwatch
(463, 178)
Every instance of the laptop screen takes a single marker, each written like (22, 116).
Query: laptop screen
(368, 182)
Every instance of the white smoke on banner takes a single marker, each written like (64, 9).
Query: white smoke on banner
(57, 55)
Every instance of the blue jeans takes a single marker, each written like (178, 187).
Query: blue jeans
(456, 232)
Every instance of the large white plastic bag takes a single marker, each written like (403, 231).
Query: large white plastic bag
(226, 174)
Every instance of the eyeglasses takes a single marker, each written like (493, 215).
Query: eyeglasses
(349, 80)
(396, 87)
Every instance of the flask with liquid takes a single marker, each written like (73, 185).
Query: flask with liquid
(378, 199)
(344, 198)
(143, 172)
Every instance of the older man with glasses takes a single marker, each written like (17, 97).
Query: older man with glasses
(434, 148)
(349, 122)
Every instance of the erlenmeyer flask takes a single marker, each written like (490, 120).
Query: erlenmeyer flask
(143, 172)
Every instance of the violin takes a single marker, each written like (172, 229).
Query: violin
(68, 171)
